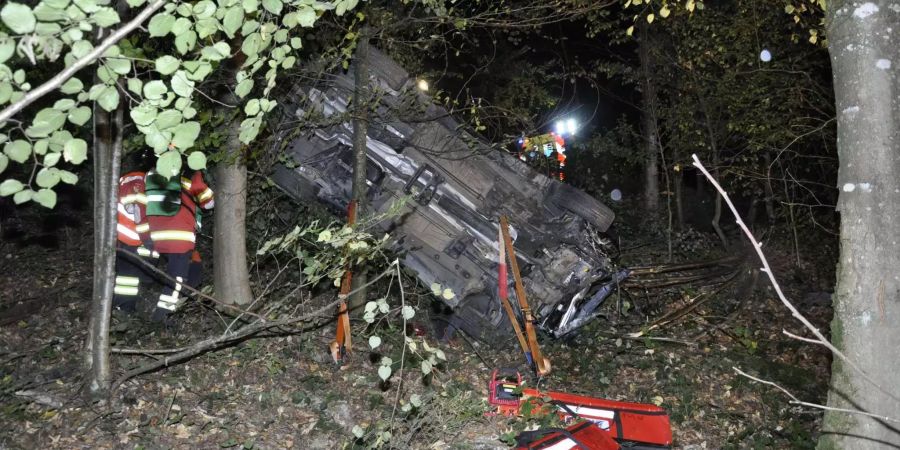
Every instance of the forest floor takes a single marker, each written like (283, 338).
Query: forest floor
(282, 391)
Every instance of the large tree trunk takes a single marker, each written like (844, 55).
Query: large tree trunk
(230, 275)
(107, 158)
(865, 57)
(361, 99)
(650, 124)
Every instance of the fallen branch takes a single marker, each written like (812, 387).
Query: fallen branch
(40, 398)
(768, 270)
(247, 331)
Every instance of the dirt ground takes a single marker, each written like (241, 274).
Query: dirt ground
(281, 390)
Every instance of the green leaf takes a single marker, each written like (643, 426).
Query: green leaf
(88, 6)
(167, 64)
(47, 177)
(10, 186)
(64, 104)
(181, 85)
(45, 197)
(407, 312)
(384, 372)
(51, 159)
(189, 113)
(4, 161)
(169, 164)
(18, 150)
(72, 86)
(45, 122)
(155, 89)
(143, 114)
(244, 87)
(135, 85)
(426, 367)
(105, 17)
(249, 129)
(415, 400)
(204, 9)
(75, 151)
(272, 6)
(206, 27)
(67, 177)
(81, 48)
(197, 161)
(23, 196)
(185, 42)
(161, 24)
(18, 17)
(158, 140)
(358, 431)
(6, 92)
(306, 16)
(79, 116)
(40, 146)
(250, 6)
(252, 107)
(181, 25)
(296, 43)
(120, 66)
(168, 119)
(233, 20)
(252, 44)
(7, 47)
(200, 70)
(374, 342)
(184, 135)
(109, 98)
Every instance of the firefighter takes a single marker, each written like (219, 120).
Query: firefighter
(133, 236)
(174, 216)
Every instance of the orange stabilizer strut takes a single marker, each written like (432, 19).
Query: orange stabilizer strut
(342, 343)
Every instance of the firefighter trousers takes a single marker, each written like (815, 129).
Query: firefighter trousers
(129, 275)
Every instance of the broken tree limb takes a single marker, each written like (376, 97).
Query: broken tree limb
(790, 306)
(245, 332)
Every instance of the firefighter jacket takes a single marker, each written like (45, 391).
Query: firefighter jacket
(132, 227)
(177, 233)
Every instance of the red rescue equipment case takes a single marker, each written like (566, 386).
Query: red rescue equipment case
(581, 436)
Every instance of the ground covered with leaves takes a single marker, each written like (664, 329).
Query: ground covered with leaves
(281, 390)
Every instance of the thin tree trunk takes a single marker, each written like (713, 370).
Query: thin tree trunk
(714, 149)
(679, 200)
(770, 193)
(107, 158)
(361, 99)
(865, 59)
(650, 125)
(230, 275)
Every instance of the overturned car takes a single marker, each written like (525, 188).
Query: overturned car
(459, 187)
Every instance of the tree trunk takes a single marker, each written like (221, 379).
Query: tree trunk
(865, 56)
(107, 158)
(232, 281)
(361, 99)
(714, 149)
(679, 200)
(230, 275)
(650, 125)
(770, 193)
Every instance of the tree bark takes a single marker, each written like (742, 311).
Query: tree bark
(650, 124)
(679, 198)
(107, 160)
(230, 275)
(865, 56)
(361, 99)
(231, 278)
